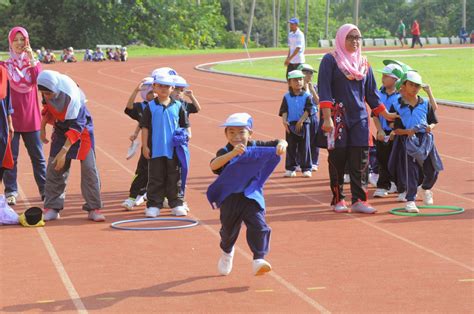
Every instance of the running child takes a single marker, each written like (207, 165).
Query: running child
(243, 166)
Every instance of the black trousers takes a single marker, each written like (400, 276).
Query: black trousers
(383, 155)
(291, 67)
(140, 180)
(298, 150)
(357, 159)
(164, 180)
(416, 39)
(1, 173)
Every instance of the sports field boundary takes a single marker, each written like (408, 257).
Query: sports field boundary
(209, 67)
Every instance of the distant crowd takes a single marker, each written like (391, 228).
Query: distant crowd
(47, 55)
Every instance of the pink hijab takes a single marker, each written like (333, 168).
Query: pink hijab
(18, 64)
(353, 65)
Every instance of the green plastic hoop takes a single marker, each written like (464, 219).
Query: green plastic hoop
(452, 210)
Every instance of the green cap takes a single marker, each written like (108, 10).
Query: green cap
(306, 67)
(411, 76)
(392, 70)
(405, 67)
(295, 74)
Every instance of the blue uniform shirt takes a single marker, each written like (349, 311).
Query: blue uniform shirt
(391, 103)
(421, 113)
(162, 121)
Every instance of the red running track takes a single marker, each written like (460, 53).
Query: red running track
(322, 261)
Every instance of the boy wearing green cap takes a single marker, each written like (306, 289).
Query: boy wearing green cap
(295, 110)
(389, 95)
(414, 149)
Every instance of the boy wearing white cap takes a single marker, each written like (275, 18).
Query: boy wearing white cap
(243, 166)
(135, 111)
(160, 120)
(295, 110)
(414, 145)
(389, 95)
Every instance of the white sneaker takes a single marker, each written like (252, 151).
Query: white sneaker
(11, 200)
(50, 214)
(307, 174)
(393, 188)
(179, 211)
(290, 174)
(427, 196)
(298, 168)
(224, 266)
(402, 197)
(410, 207)
(185, 205)
(152, 212)
(314, 168)
(260, 267)
(140, 199)
(129, 203)
(373, 178)
(95, 215)
(347, 178)
(341, 207)
(165, 203)
(380, 193)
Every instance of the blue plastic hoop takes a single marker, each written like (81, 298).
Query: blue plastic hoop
(192, 223)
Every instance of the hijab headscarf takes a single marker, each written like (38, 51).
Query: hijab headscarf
(18, 64)
(65, 89)
(352, 64)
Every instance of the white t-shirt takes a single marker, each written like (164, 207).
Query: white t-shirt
(295, 40)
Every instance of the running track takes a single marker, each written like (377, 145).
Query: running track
(323, 262)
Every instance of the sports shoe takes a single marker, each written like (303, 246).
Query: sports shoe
(347, 178)
(290, 174)
(165, 203)
(11, 200)
(185, 205)
(179, 211)
(314, 168)
(393, 188)
(50, 214)
(95, 215)
(224, 266)
(427, 196)
(380, 193)
(402, 197)
(373, 178)
(140, 199)
(260, 267)
(129, 203)
(152, 212)
(362, 207)
(298, 168)
(340, 207)
(410, 207)
(307, 174)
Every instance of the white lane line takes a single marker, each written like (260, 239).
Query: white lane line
(273, 274)
(71, 290)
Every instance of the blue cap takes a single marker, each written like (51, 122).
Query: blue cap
(239, 119)
(294, 20)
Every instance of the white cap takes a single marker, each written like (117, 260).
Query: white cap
(163, 79)
(239, 119)
(147, 80)
(179, 81)
(166, 70)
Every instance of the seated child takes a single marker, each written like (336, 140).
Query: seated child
(98, 55)
(243, 166)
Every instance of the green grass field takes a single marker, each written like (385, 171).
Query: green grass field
(450, 72)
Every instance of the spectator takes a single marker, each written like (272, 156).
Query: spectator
(401, 33)
(296, 44)
(88, 55)
(49, 57)
(463, 35)
(123, 54)
(416, 33)
(98, 55)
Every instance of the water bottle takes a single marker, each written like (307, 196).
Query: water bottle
(331, 139)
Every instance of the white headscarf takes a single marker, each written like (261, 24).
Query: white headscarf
(62, 85)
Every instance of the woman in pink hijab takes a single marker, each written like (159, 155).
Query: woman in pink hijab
(346, 83)
(22, 70)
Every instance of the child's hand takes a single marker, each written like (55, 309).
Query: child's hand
(429, 129)
(60, 160)
(328, 125)
(426, 88)
(146, 152)
(281, 147)
(43, 136)
(392, 135)
(389, 116)
(299, 126)
(380, 135)
(188, 92)
(239, 149)
(286, 126)
(133, 137)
